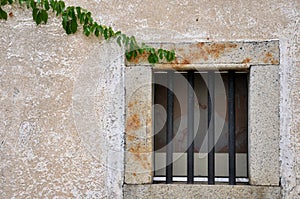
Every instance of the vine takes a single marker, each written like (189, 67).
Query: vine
(72, 17)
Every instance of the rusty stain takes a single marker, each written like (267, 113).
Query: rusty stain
(185, 61)
(269, 58)
(215, 50)
(131, 104)
(134, 174)
(133, 122)
(246, 61)
(130, 137)
(139, 153)
(200, 44)
(139, 149)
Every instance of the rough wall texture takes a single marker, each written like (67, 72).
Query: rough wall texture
(42, 151)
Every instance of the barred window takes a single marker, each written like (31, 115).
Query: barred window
(201, 126)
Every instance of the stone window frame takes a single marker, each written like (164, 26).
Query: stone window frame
(261, 59)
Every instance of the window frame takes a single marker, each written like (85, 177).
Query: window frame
(261, 58)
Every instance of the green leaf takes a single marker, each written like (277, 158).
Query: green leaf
(68, 28)
(127, 41)
(38, 19)
(118, 33)
(123, 38)
(3, 14)
(105, 33)
(73, 26)
(78, 11)
(153, 58)
(44, 16)
(100, 28)
(128, 55)
(34, 13)
(94, 26)
(10, 1)
(86, 30)
(82, 17)
(160, 53)
(119, 40)
(134, 53)
(62, 5)
(141, 50)
(32, 4)
(96, 32)
(111, 32)
(46, 5)
(53, 4)
(65, 22)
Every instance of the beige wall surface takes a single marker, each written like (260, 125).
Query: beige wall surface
(62, 97)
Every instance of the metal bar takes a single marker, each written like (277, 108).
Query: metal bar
(190, 136)
(211, 127)
(231, 125)
(169, 134)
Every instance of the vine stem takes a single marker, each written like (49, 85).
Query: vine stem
(73, 16)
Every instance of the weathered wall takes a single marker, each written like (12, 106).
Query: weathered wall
(45, 153)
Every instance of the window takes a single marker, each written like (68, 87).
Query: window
(200, 126)
(260, 60)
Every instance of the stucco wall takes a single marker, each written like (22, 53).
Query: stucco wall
(44, 151)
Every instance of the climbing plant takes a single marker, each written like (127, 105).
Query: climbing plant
(72, 17)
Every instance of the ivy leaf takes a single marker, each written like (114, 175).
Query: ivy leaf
(10, 1)
(78, 10)
(34, 13)
(53, 4)
(105, 33)
(46, 4)
(73, 26)
(160, 53)
(44, 16)
(119, 40)
(38, 19)
(111, 32)
(100, 28)
(86, 30)
(128, 55)
(141, 50)
(65, 22)
(33, 4)
(96, 32)
(134, 53)
(62, 5)
(94, 26)
(118, 33)
(3, 14)
(68, 28)
(82, 17)
(153, 58)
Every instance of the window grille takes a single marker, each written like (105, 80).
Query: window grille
(190, 144)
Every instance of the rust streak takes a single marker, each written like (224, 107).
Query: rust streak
(269, 58)
(131, 104)
(140, 154)
(130, 137)
(133, 122)
(246, 61)
(215, 50)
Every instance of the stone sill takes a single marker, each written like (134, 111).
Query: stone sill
(200, 191)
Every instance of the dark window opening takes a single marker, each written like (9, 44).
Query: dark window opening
(200, 126)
